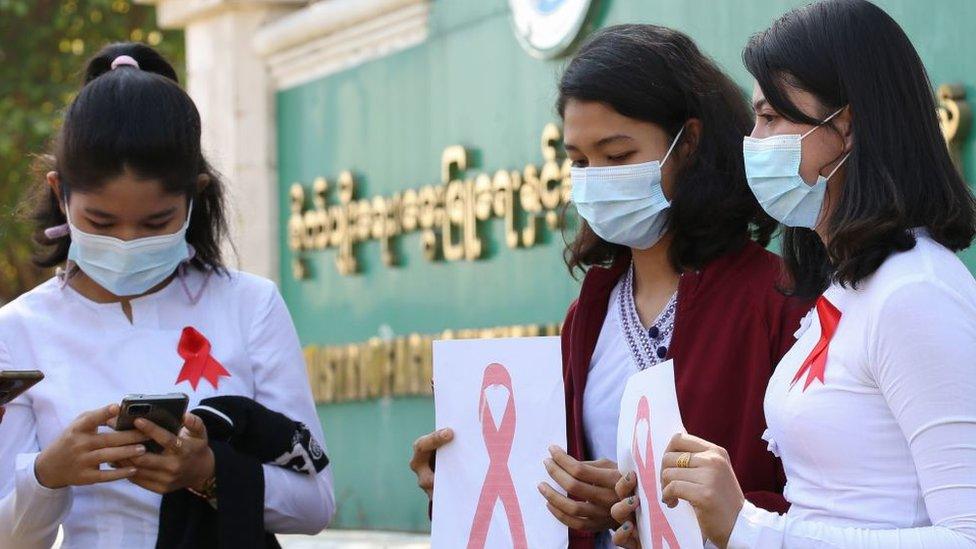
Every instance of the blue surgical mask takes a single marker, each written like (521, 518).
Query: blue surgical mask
(773, 173)
(128, 267)
(624, 205)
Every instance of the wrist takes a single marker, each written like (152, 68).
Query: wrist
(43, 474)
(207, 472)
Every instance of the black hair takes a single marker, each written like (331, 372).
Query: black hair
(659, 75)
(135, 119)
(899, 176)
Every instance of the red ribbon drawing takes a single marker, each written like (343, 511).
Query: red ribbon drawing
(198, 362)
(816, 362)
(661, 530)
(498, 482)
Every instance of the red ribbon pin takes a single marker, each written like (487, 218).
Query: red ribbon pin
(198, 362)
(816, 362)
(498, 482)
(661, 530)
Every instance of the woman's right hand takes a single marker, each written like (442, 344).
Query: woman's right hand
(75, 457)
(422, 462)
(625, 512)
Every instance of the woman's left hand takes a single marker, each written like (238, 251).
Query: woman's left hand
(708, 483)
(186, 462)
(592, 482)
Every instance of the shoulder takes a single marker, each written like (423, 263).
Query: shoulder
(237, 287)
(927, 271)
(39, 301)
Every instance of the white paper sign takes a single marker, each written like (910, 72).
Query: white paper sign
(649, 417)
(504, 400)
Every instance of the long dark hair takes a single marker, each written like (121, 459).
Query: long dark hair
(659, 75)
(899, 174)
(136, 119)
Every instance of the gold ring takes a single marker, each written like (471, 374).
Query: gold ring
(684, 460)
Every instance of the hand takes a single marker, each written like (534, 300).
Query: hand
(625, 512)
(422, 461)
(708, 484)
(75, 457)
(186, 461)
(590, 482)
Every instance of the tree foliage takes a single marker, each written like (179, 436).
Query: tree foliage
(43, 48)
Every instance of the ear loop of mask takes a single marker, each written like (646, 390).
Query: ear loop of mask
(673, 145)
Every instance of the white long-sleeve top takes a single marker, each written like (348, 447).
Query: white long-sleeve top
(91, 356)
(882, 454)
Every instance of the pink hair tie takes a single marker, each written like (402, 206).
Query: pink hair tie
(56, 232)
(124, 60)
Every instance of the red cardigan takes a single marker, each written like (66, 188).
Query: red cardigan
(731, 328)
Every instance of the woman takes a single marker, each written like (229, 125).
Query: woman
(873, 411)
(672, 248)
(136, 212)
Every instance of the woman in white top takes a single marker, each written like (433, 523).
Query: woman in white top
(138, 215)
(873, 411)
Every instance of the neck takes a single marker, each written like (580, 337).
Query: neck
(655, 280)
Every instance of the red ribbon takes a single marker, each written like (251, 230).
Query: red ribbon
(498, 482)
(816, 362)
(198, 362)
(661, 530)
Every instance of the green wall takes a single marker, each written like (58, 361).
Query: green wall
(471, 84)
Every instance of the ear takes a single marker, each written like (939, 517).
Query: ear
(54, 182)
(844, 122)
(690, 137)
(202, 181)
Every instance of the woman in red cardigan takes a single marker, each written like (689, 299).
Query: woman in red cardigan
(671, 244)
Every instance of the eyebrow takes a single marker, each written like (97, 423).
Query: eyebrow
(105, 215)
(759, 103)
(612, 138)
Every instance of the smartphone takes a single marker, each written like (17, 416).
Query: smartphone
(163, 410)
(14, 383)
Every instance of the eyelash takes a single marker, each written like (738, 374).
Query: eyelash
(767, 118)
(105, 226)
(620, 157)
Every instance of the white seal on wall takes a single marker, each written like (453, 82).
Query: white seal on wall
(545, 28)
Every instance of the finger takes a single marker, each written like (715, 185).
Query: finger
(163, 437)
(570, 506)
(675, 474)
(683, 442)
(426, 482)
(90, 420)
(578, 488)
(599, 476)
(681, 489)
(152, 486)
(156, 462)
(118, 438)
(426, 445)
(148, 475)
(195, 426)
(116, 453)
(626, 486)
(670, 459)
(575, 523)
(98, 476)
(626, 536)
(624, 510)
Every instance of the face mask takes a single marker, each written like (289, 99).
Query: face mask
(624, 205)
(130, 267)
(773, 173)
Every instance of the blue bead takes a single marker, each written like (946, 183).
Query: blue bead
(653, 332)
(662, 351)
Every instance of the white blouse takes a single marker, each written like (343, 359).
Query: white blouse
(881, 454)
(91, 356)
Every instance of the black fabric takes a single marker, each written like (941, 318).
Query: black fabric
(243, 435)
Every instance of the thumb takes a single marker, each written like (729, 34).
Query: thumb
(194, 426)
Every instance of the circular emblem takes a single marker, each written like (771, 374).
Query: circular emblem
(545, 28)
